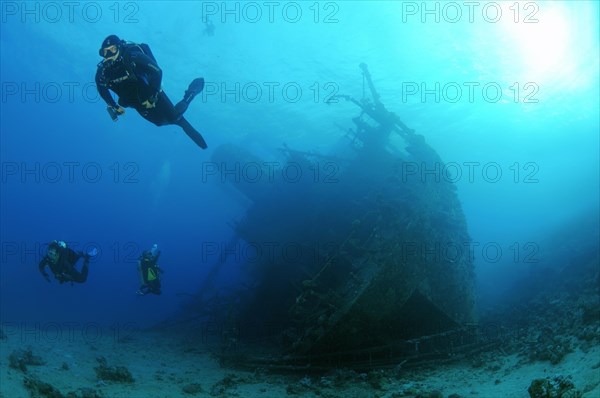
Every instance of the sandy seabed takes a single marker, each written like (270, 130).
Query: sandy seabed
(167, 367)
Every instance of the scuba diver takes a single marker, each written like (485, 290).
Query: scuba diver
(62, 260)
(149, 271)
(131, 71)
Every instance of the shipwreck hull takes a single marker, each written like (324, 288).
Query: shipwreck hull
(388, 259)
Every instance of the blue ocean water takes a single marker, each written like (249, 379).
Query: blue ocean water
(507, 97)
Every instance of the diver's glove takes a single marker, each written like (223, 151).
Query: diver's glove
(115, 112)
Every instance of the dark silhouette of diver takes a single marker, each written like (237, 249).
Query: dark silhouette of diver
(131, 71)
(149, 271)
(62, 260)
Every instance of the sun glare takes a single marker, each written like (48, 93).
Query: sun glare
(543, 41)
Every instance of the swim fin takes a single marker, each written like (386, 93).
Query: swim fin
(192, 133)
(195, 88)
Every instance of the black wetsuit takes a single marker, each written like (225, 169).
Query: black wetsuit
(136, 77)
(149, 271)
(64, 269)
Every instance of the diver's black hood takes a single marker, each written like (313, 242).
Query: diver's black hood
(110, 41)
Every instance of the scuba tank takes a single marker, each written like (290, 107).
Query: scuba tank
(154, 250)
